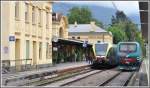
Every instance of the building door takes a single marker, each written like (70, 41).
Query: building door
(61, 33)
(17, 55)
(34, 53)
(27, 49)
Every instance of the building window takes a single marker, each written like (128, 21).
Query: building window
(26, 12)
(47, 20)
(47, 50)
(40, 50)
(73, 37)
(17, 10)
(33, 15)
(98, 41)
(39, 17)
(78, 37)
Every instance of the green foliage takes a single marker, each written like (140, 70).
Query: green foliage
(98, 23)
(141, 41)
(82, 15)
(123, 29)
(118, 34)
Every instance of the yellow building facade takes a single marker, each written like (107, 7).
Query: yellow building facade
(59, 26)
(26, 34)
(89, 32)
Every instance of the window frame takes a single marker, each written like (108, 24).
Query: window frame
(33, 15)
(17, 10)
(26, 13)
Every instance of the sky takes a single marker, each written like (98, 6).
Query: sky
(129, 7)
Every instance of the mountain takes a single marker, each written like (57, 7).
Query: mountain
(101, 13)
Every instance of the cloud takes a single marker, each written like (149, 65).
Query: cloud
(129, 7)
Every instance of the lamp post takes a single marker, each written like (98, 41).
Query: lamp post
(84, 46)
(55, 48)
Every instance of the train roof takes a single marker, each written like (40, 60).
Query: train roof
(128, 42)
(103, 43)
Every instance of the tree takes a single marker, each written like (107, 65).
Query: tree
(98, 23)
(123, 29)
(118, 34)
(82, 15)
(120, 17)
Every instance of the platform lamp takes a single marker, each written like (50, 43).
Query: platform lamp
(55, 48)
(85, 48)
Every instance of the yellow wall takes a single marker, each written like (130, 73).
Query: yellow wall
(22, 30)
(93, 38)
(60, 28)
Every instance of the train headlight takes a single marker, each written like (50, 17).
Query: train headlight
(138, 59)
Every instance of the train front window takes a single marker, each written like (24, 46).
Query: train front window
(128, 47)
(101, 49)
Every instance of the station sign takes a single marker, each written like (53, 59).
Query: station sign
(85, 43)
(55, 49)
(11, 38)
(55, 39)
(5, 50)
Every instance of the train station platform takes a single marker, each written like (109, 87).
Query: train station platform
(141, 78)
(38, 72)
(144, 73)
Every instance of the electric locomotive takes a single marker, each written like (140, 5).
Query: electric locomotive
(129, 55)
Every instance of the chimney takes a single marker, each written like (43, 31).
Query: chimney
(93, 25)
(75, 24)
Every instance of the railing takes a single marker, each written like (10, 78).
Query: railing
(18, 65)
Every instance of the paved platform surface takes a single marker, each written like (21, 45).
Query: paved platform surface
(141, 78)
(57, 67)
(144, 73)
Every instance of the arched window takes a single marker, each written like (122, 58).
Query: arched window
(61, 33)
(78, 37)
(73, 37)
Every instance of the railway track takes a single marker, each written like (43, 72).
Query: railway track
(101, 78)
(63, 74)
(86, 76)
(121, 79)
(95, 79)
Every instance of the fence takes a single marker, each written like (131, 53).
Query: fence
(20, 65)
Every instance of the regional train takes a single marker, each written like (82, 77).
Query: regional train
(129, 55)
(105, 55)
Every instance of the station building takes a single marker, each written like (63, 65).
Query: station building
(89, 32)
(26, 34)
(64, 49)
(59, 26)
